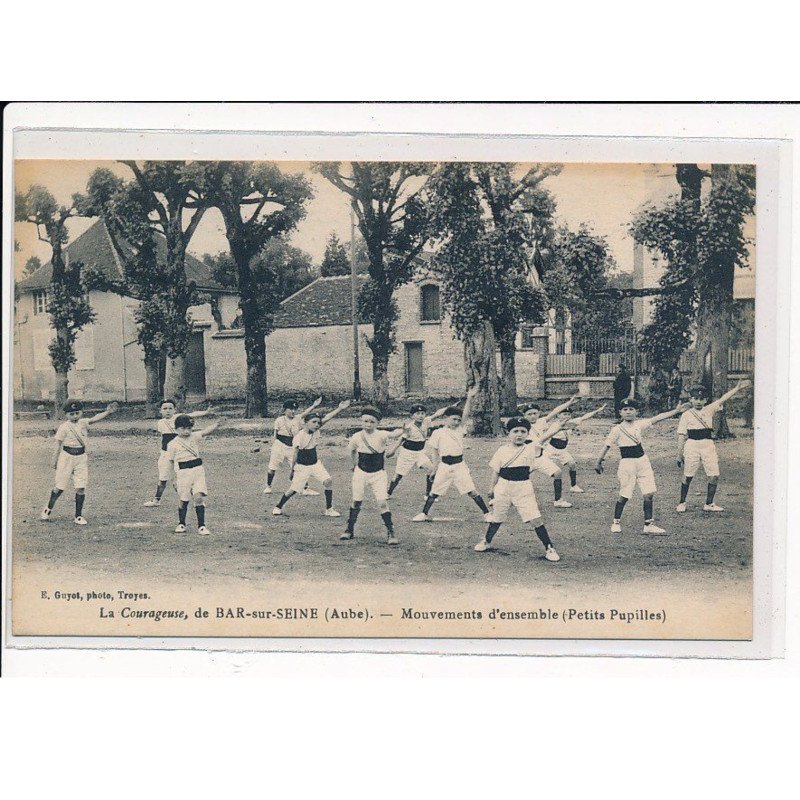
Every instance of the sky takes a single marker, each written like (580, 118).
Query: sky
(604, 196)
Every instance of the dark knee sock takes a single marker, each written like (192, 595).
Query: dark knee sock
(573, 477)
(428, 483)
(429, 501)
(481, 505)
(710, 492)
(648, 510)
(201, 515)
(544, 538)
(54, 495)
(557, 487)
(619, 507)
(386, 516)
(328, 498)
(160, 489)
(182, 508)
(285, 499)
(270, 477)
(353, 516)
(492, 530)
(79, 500)
(393, 485)
(685, 488)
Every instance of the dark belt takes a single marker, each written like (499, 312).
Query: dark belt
(195, 462)
(559, 444)
(166, 438)
(699, 433)
(452, 460)
(631, 452)
(307, 457)
(370, 462)
(73, 451)
(413, 444)
(515, 473)
(287, 440)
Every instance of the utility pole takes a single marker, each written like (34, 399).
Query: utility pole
(354, 307)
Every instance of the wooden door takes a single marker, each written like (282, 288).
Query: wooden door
(414, 372)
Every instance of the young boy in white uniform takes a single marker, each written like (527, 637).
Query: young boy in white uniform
(286, 427)
(190, 474)
(511, 466)
(447, 447)
(70, 460)
(634, 465)
(411, 452)
(695, 445)
(368, 451)
(305, 463)
(166, 429)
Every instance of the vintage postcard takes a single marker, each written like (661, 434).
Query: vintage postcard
(486, 391)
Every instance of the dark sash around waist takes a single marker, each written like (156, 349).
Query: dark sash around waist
(413, 444)
(637, 451)
(370, 462)
(559, 444)
(307, 457)
(195, 462)
(166, 438)
(699, 433)
(515, 473)
(73, 451)
(287, 440)
(452, 460)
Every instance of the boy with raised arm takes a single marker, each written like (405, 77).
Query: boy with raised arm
(70, 459)
(305, 463)
(286, 427)
(634, 465)
(695, 445)
(411, 451)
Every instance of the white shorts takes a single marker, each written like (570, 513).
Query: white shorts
(546, 466)
(279, 452)
(519, 494)
(303, 473)
(697, 452)
(75, 467)
(635, 470)
(562, 457)
(378, 482)
(448, 475)
(408, 459)
(191, 481)
(166, 469)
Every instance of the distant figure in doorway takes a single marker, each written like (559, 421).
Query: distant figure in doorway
(674, 388)
(622, 387)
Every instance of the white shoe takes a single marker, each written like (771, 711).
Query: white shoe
(152, 503)
(203, 531)
(712, 507)
(80, 521)
(277, 512)
(45, 515)
(483, 546)
(391, 539)
(332, 512)
(550, 554)
(616, 527)
(421, 517)
(488, 517)
(309, 493)
(653, 530)
(180, 528)
(562, 504)
(576, 489)
(346, 536)
(681, 508)
(267, 490)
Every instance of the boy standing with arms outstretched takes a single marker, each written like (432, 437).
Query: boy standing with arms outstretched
(447, 448)
(184, 450)
(511, 466)
(368, 450)
(634, 465)
(305, 463)
(70, 460)
(166, 428)
(411, 452)
(286, 427)
(695, 445)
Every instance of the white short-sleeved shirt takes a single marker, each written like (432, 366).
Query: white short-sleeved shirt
(415, 433)
(185, 448)
(288, 427)
(304, 440)
(375, 442)
(166, 427)
(448, 441)
(699, 419)
(509, 455)
(73, 434)
(628, 434)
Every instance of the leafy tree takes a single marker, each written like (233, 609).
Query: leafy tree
(68, 304)
(258, 203)
(387, 200)
(31, 265)
(335, 261)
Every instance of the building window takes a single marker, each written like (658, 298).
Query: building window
(430, 304)
(527, 338)
(39, 302)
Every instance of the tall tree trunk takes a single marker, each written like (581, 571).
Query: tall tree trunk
(175, 382)
(482, 407)
(60, 393)
(381, 350)
(508, 384)
(152, 386)
(255, 348)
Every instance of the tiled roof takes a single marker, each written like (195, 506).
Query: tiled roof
(325, 301)
(93, 247)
